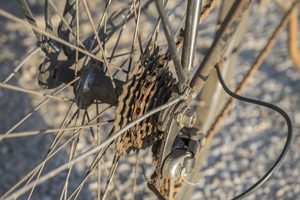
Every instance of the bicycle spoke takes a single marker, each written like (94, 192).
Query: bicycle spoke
(111, 174)
(38, 175)
(64, 124)
(76, 135)
(77, 38)
(96, 160)
(52, 146)
(54, 151)
(26, 91)
(45, 131)
(137, 16)
(53, 37)
(88, 118)
(99, 44)
(40, 105)
(64, 193)
(33, 171)
(50, 150)
(20, 65)
(95, 163)
(135, 170)
(136, 34)
(98, 141)
(103, 17)
(91, 168)
(79, 42)
(156, 29)
(95, 149)
(124, 22)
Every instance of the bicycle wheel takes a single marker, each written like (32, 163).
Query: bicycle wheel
(115, 42)
(109, 63)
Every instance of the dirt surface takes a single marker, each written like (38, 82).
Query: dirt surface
(243, 150)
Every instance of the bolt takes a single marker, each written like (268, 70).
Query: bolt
(187, 118)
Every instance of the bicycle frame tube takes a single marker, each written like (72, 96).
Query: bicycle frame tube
(217, 49)
(190, 34)
(181, 75)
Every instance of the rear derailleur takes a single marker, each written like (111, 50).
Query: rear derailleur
(176, 152)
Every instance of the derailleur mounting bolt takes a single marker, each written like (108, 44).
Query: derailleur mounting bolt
(187, 118)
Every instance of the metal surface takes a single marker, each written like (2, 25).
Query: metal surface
(190, 34)
(174, 165)
(212, 98)
(186, 118)
(182, 78)
(93, 150)
(220, 44)
(150, 85)
(256, 64)
(293, 38)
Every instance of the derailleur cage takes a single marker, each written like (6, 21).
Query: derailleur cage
(177, 150)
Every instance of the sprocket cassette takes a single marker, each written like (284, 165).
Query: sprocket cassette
(149, 86)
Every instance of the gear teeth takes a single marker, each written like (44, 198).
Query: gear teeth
(149, 86)
(149, 77)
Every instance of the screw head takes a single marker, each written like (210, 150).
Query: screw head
(187, 118)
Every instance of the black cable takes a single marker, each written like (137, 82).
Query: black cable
(279, 160)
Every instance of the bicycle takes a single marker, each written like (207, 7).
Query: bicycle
(149, 89)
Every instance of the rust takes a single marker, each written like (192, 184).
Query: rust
(219, 45)
(293, 38)
(254, 67)
(207, 8)
(150, 79)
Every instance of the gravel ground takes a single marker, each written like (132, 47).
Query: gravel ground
(243, 150)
